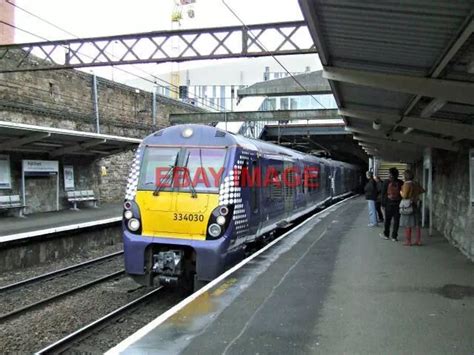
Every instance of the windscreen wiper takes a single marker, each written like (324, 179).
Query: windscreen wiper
(168, 174)
(192, 188)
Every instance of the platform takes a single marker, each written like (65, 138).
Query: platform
(330, 287)
(34, 225)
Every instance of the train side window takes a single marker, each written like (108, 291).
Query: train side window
(254, 189)
(313, 178)
(287, 181)
(323, 172)
(297, 181)
(303, 182)
(244, 172)
(276, 187)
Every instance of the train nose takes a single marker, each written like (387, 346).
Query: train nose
(176, 214)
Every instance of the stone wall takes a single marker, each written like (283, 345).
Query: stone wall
(452, 215)
(64, 99)
(112, 185)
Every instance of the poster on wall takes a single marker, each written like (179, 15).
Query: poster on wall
(68, 177)
(5, 173)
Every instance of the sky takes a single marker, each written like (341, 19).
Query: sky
(90, 18)
(93, 18)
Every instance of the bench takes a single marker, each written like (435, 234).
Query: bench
(75, 197)
(12, 202)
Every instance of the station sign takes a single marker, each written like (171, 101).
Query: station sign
(41, 166)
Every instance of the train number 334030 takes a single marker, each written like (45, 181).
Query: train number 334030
(190, 217)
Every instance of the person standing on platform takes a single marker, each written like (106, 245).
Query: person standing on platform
(391, 202)
(410, 193)
(378, 202)
(370, 190)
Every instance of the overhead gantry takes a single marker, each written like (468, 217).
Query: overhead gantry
(158, 47)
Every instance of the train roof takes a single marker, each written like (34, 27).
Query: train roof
(203, 135)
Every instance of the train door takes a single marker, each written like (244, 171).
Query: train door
(287, 180)
(333, 181)
(254, 195)
(325, 178)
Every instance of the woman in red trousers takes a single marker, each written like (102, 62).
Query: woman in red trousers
(411, 190)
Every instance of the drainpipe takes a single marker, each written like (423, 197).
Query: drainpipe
(153, 106)
(95, 98)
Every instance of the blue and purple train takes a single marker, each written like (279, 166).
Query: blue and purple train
(198, 196)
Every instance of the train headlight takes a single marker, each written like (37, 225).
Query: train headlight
(187, 132)
(214, 230)
(134, 224)
(127, 205)
(220, 220)
(128, 214)
(223, 210)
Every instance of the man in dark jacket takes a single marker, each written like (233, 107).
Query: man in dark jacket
(391, 201)
(378, 203)
(370, 190)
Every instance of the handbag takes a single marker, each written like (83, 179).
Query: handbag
(406, 206)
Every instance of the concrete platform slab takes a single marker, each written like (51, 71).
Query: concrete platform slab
(332, 286)
(14, 228)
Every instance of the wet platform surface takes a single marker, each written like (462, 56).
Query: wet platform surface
(12, 227)
(333, 286)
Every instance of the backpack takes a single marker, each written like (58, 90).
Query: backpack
(393, 190)
(406, 206)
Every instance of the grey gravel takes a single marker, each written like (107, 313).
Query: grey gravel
(34, 330)
(127, 324)
(9, 277)
(31, 293)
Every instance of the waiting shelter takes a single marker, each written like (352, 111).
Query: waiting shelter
(43, 168)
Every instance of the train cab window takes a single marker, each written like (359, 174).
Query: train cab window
(205, 167)
(157, 159)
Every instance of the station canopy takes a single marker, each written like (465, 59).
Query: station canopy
(56, 142)
(402, 73)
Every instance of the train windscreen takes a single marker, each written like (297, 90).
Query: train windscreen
(182, 169)
(162, 159)
(205, 167)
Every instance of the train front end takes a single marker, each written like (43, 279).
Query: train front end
(175, 229)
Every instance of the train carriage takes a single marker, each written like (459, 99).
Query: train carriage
(197, 196)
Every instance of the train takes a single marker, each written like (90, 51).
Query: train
(197, 197)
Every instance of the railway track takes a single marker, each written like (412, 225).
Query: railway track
(70, 340)
(56, 285)
(58, 272)
(80, 340)
(101, 332)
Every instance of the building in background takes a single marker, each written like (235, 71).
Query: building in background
(214, 86)
(7, 15)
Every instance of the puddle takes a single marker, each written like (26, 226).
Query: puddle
(456, 292)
